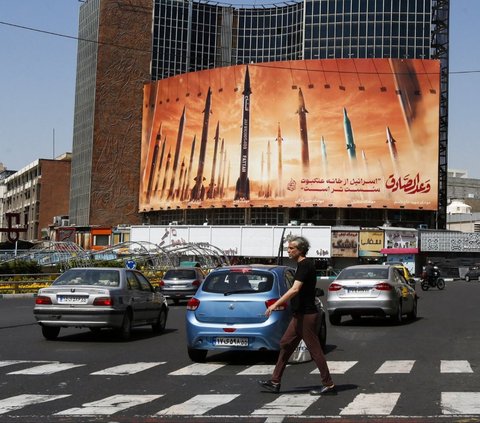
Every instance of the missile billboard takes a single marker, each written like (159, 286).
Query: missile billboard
(316, 133)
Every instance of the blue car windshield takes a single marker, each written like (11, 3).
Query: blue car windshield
(96, 277)
(226, 282)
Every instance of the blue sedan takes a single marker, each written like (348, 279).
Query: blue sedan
(228, 311)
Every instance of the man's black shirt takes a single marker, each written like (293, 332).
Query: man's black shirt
(304, 302)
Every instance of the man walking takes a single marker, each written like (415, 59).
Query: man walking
(304, 320)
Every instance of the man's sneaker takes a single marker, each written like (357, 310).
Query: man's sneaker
(270, 385)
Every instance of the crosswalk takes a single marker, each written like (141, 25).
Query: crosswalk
(288, 403)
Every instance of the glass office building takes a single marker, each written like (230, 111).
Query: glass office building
(191, 36)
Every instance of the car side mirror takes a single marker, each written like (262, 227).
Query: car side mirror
(319, 292)
(158, 289)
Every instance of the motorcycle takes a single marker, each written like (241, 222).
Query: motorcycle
(435, 282)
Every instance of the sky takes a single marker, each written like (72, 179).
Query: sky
(38, 71)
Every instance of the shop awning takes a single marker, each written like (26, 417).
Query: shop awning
(399, 250)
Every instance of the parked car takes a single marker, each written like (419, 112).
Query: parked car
(228, 310)
(97, 298)
(473, 274)
(369, 290)
(181, 282)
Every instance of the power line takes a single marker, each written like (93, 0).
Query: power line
(27, 28)
(72, 37)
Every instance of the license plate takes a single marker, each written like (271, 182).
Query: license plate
(358, 289)
(234, 342)
(72, 299)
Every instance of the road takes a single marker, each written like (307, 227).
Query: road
(424, 370)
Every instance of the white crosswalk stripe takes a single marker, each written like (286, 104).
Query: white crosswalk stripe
(19, 401)
(197, 369)
(371, 404)
(109, 405)
(46, 369)
(337, 367)
(396, 366)
(455, 366)
(287, 405)
(259, 369)
(6, 363)
(198, 405)
(460, 402)
(127, 369)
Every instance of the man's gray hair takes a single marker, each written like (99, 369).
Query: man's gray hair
(302, 244)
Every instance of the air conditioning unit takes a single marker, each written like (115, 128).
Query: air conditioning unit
(65, 222)
(57, 220)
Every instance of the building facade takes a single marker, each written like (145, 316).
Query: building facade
(187, 36)
(4, 174)
(113, 63)
(38, 193)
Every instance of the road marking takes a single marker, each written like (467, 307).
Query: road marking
(109, 405)
(337, 367)
(460, 402)
(127, 369)
(371, 404)
(46, 369)
(455, 366)
(197, 369)
(396, 366)
(199, 404)
(259, 369)
(20, 401)
(12, 362)
(287, 404)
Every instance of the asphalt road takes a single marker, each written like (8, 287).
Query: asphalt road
(426, 370)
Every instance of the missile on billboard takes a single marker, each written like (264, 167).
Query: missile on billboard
(160, 164)
(391, 145)
(153, 167)
(198, 190)
(242, 188)
(178, 192)
(349, 140)
(220, 167)
(279, 140)
(302, 118)
(365, 163)
(211, 193)
(261, 192)
(268, 192)
(178, 146)
(186, 184)
(407, 86)
(324, 151)
(167, 166)
(222, 184)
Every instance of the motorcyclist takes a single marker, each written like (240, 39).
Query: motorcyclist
(430, 273)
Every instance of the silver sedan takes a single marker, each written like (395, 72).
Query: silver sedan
(371, 290)
(97, 298)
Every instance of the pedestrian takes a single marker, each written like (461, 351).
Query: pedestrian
(304, 320)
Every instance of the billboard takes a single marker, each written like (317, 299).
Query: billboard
(248, 241)
(344, 244)
(316, 133)
(371, 242)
